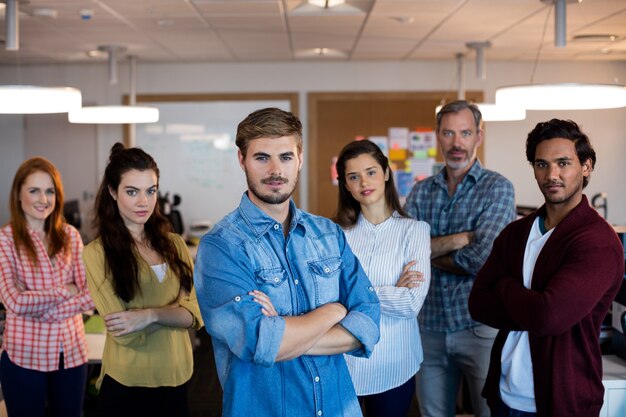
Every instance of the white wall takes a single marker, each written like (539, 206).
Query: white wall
(11, 155)
(504, 148)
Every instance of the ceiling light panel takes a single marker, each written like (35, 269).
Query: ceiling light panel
(507, 24)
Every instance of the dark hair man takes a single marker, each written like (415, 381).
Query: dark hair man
(547, 286)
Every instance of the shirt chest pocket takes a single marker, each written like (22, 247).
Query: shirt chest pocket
(325, 275)
(274, 283)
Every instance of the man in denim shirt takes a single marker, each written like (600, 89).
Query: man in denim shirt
(467, 207)
(280, 291)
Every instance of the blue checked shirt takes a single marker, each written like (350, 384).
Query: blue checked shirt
(484, 204)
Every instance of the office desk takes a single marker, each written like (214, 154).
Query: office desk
(95, 347)
(614, 380)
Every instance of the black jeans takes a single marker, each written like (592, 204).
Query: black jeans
(118, 400)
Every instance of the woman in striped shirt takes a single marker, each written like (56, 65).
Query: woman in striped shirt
(394, 251)
(42, 285)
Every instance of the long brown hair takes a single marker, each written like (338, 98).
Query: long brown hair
(117, 242)
(348, 209)
(54, 224)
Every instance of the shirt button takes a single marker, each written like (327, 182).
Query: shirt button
(327, 270)
(276, 279)
(276, 226)
(370, 288)
(238, 298)
(319, 413)
(296, 282)
(317, 379)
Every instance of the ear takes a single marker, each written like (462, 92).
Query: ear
(241, 160)
(480, 135)
(113, 193)
(587, 168)
(387, 173)
(301, 161)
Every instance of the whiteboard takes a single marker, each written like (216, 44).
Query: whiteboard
(194, 146)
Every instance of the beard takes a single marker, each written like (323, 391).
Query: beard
(271, 197)
(561, 198)
(455, 163)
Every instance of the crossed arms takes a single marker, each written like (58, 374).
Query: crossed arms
(317, 332)
(256, 332)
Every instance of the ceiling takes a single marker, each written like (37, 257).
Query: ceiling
(63, 31)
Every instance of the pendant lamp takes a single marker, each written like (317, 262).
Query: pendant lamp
(119, 114)
(114, 115)
(31, 99)
(561, 96)
(565, 96)
(490, 112)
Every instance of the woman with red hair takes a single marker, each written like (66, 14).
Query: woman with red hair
(43, 287)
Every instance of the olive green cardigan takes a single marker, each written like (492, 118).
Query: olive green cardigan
(143, 359)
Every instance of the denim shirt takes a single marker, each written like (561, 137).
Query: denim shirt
(311, 267)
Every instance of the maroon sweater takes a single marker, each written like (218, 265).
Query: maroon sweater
(575, 279)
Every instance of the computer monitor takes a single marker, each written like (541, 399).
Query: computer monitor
(71, 212)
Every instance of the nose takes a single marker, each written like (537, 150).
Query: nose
(274, 167)
(143, 199)
(43, 198)
(553, 171)
(456, 140)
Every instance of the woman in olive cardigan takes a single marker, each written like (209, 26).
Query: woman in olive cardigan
(140, 277)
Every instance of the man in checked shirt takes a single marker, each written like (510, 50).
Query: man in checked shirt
(467, 207)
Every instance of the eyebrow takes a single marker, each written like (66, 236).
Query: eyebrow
(34, 187)
(289, 153)
(132, 187)
(562, 158)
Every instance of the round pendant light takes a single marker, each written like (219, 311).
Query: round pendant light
(564, 96)
(114, 115)
(30, 99)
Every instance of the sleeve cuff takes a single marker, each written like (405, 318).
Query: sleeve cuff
(364, 329)
(271, 330)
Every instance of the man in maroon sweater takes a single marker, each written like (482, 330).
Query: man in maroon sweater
(547, 286)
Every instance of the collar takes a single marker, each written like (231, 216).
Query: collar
(259, 222)
(362, 221)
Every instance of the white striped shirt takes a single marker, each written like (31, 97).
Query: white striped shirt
(383, 250)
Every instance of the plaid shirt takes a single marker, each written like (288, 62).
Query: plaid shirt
(44, 319)
(483, 204)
